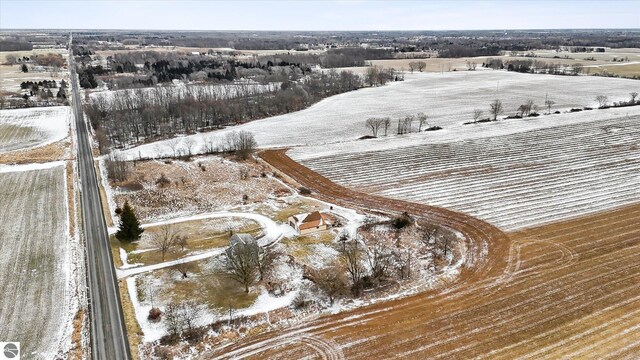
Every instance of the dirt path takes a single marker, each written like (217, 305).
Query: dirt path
(569, 289)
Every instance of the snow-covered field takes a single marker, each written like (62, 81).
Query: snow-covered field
(37, 303)
(31, 127)
(512, 181)
(448, 99)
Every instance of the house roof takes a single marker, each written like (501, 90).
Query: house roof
(314, 219)
(241, 238)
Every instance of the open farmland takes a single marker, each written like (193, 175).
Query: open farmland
(512, 181)
(31, 127)
(568, 290)
(448, 99)
(35, 308)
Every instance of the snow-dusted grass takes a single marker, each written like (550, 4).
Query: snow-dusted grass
(513, 181)
(448, 99)
(204, 185)
(31, 127)
(35, 261)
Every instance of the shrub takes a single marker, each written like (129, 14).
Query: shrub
(367, 137)
(163, 181)
(154, 314)
(401, 221)
(118, 210)
(304, 191)
(301, 301)
(433, 128)
(575, 110)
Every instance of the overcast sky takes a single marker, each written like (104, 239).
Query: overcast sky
(319, 15)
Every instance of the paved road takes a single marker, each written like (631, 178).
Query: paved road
(108, 334)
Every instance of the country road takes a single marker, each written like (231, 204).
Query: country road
(108, 333)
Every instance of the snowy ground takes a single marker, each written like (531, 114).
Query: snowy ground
(31, 127)
(515, 181)
(272, 231)
(36, 260)
(448, 99)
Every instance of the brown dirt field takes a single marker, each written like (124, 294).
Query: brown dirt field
(564, 289)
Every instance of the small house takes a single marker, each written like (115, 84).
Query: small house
(307, 223)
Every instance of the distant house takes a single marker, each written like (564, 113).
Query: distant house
(306, 223)
(241, 239)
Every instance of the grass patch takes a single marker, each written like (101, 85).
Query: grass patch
(214, 288)
(296, 208)
(134, 332)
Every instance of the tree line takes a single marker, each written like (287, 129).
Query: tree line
(130, 117)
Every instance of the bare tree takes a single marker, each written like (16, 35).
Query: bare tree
(386, 123)
(602, 100)
(245, 144)
(548, 103)
(577, 68)
(331, 280)
(422, 120)
(429, 236)
(477, 114)
(242, 263)
(180, 315)
(633, 95)
(421, 65)
(471, 65)
(267, 257)
(165, 239)
(190, 144)
(401, 262)
(374, 124)
(117, 167)
(413, 66)
(496, 108)
(378, 256)
(190, 312)
(529, 106)
(352, 257)
(174, 323)
(182, 242)
(173, 145)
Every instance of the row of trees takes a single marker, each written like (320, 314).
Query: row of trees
(537, 66)
(129, 117)
(405, 124)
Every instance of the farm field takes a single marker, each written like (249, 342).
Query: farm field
(513, 181)
(31, 127)
(11, 76)
(447, 99)
(37, 306)
(568, 290)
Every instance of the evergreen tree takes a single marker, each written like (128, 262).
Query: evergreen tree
(25, 68)
(130, 229)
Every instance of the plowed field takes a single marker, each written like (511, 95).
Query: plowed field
(569, 289)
